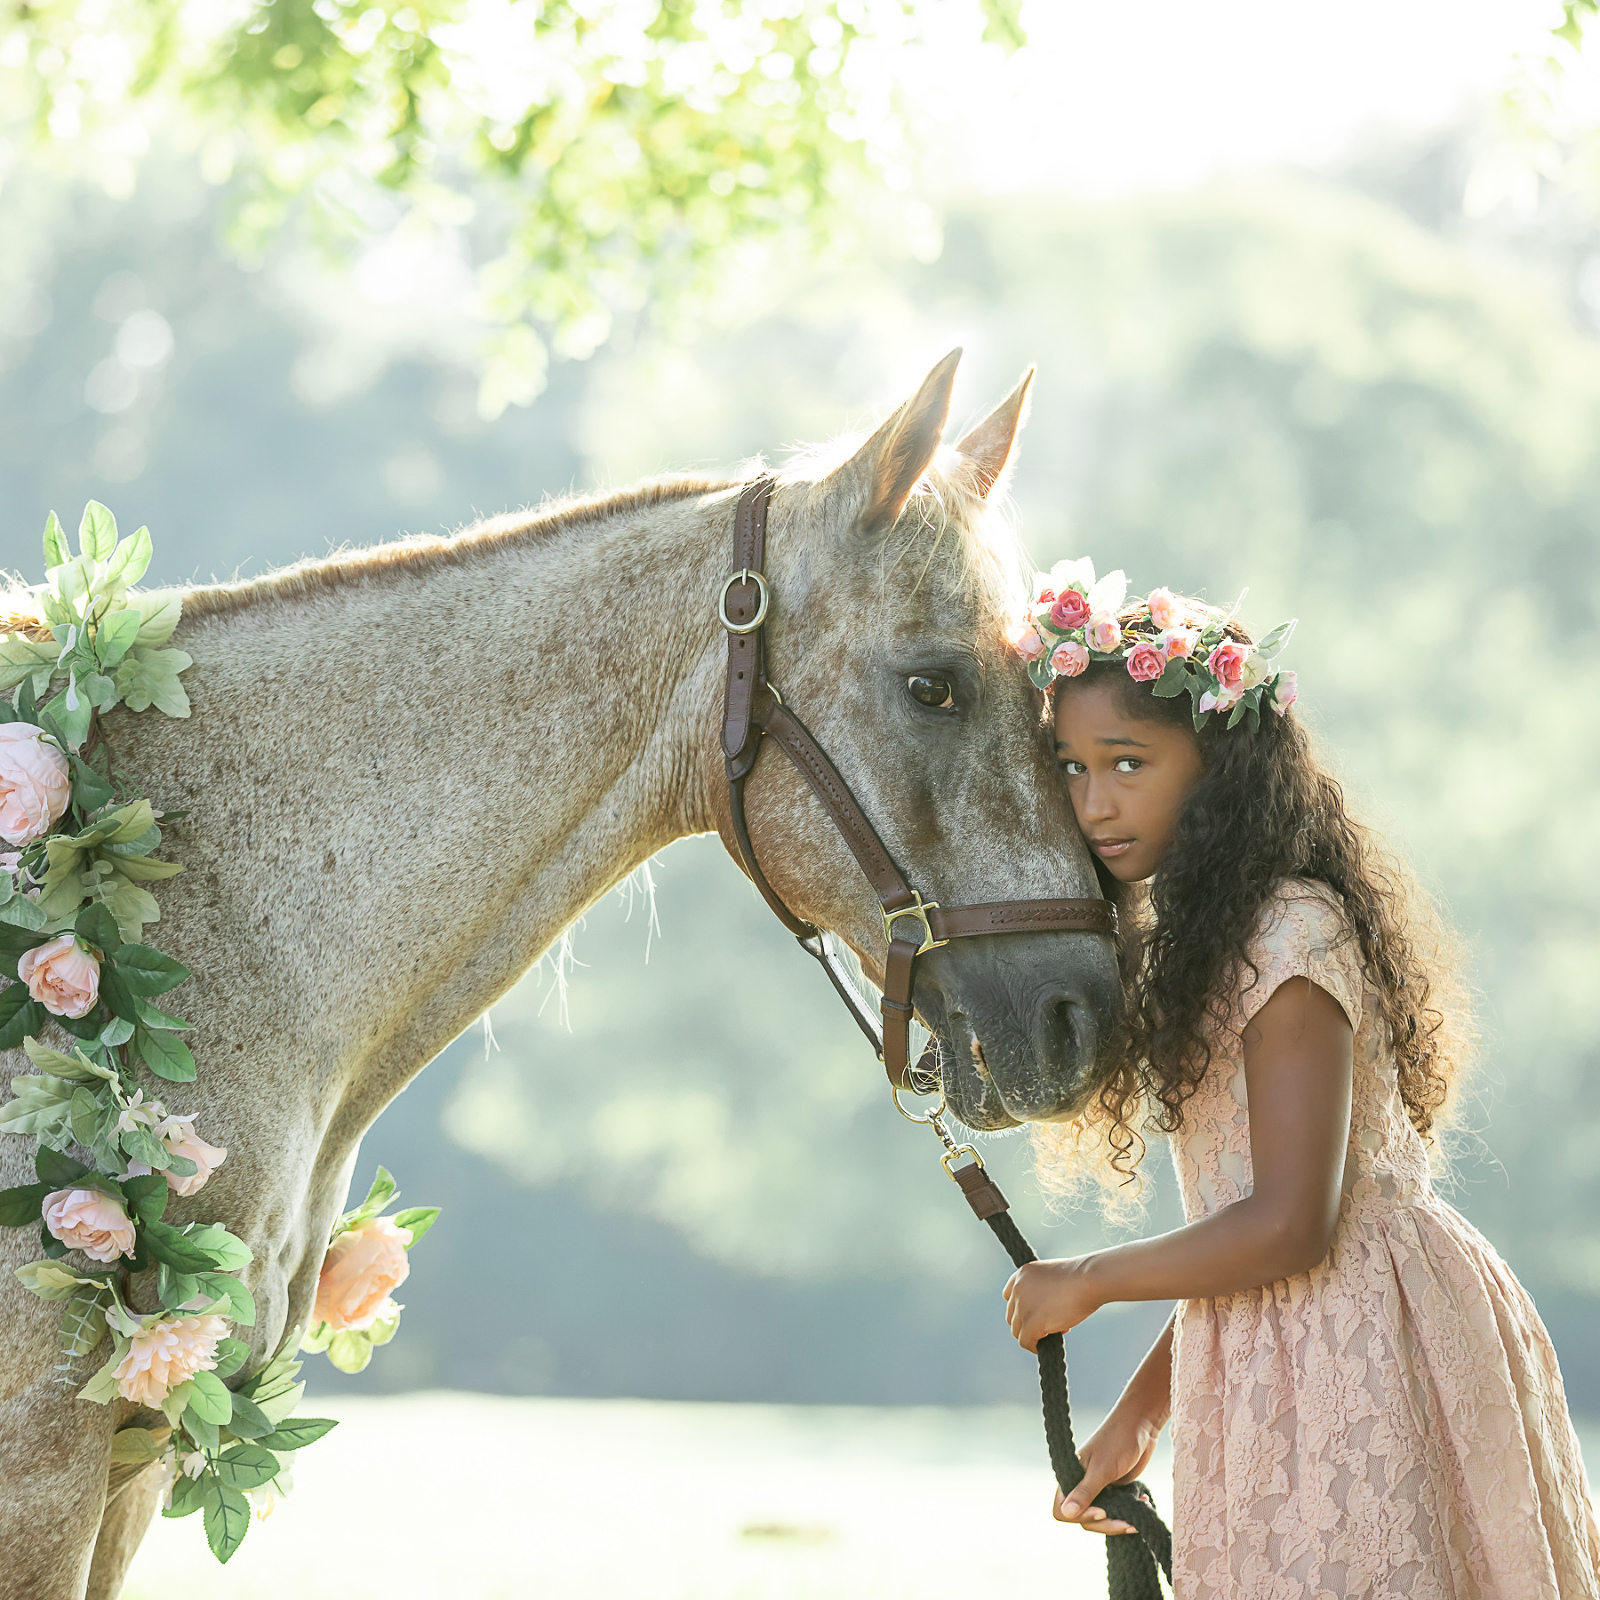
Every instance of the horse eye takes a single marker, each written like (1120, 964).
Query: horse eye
(928, 691)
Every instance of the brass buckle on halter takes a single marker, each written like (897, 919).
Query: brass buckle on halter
(744, 575)
(920, 912)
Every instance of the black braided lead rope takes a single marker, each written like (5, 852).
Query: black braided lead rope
(1130, 1562)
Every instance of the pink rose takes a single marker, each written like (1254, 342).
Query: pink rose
(1069, 611)
(1105, 633)
(166, 1354)
(1165, 612)
(1024, 638)
(1225, 701)
(1227, 663)
(1285, 691)
(362, 1268)
(1179, 642)
(35, 783)
(1146, 662)
(1046, 594)
(61, 975)
(87, 1220)
(181, 1140)
(1068, 659)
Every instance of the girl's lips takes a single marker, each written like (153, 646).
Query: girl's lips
(1110, 847)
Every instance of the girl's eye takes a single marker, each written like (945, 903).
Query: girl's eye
(1074, 769)
(1127, 764)
(927, 690)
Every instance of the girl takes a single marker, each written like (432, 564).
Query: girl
(1363, 1399)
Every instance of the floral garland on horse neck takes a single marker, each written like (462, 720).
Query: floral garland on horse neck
(75, 897)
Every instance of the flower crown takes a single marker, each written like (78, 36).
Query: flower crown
(1074, 620)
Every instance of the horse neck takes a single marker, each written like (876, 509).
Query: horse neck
(428, 773)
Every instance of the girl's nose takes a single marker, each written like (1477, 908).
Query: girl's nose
(1098, 804)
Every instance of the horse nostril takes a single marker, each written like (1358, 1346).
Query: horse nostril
(1067, 1035)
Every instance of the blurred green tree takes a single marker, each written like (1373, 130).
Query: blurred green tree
(606, 153)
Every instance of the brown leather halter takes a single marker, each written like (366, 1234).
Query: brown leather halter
(911, 926)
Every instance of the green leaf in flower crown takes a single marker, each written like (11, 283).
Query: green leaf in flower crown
(115, 636)
(90, 790)
(97, 532)
(82, 1027)
(382, 1191)
(50, 1281)
(418, 1219)
(102, 1387)
(242, 1305)
(116, 1032)
(20, 1206)
(21, 912)
(174, 1289)
(130, 560)
(145, 869)
(227, 1517)
(148, 971)
(1236, 716)
(88, 1117)
(83, 1322)
(146, 1195)
(56, 550)
(249, 1421)
(95, 925)
(1172, 682)
(114, 988)
(130, 905)
(38, 1103)
(246, 1466)
(69, 718)
(187, 1497)
(140, 1144)
(19, 1017)
(164, 1053)
(167, 1244)
(1040, 673)
(230, 1253)
(151, 1017)
(137, 1447)
(211, 1399)
(57, 1170)
(20, 659)
(1273, 642)
(231, 1355)
(350, 1351)
(383, 1330)
(279, 1406)
(206, 1434)
(142, 846)
(159, 611)
(78, 1067)
(150, 678)
(298, 1432)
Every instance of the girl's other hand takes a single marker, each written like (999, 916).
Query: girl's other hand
(1118, 1452)
(1048, 1297)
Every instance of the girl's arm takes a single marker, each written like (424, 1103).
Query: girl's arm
(1298, 1061)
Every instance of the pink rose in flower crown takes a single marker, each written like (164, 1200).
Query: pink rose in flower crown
(1285, 692)
(1179, 643)
(178, 1135)
(87, 1220)
(1227, 664)
(35, 783)
(1146, 662)
(1068, 659)
(1165, 612)
(61, 975)
(1069, 611)
(1104, 633)
(1023, 637)
(1225, 701)
(166, 1354)
(362, 1268)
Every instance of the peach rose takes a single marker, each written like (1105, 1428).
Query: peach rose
(1285, 692)
(1165, 612)
(1068, 659)
(1023, 637)
(1104, 633)
(178, 1135)
(1225, 701)
(1179, 643)
(166, 1354)
(61, 975)
(1227, 664)
(1146, 662)
(87, 1220)
(1069, 611)
(35, 783)
(362, 1268)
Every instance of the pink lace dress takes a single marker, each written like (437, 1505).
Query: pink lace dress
(1392, 1423)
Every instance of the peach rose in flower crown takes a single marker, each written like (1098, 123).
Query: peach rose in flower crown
(178, 1135)
(1104, 633)
(362, 1268)
(1179, 643)
(1146, 662)
(166, 1354)
(35, 783)
(1227, 664)
(61, 975)
(1165, 612)
(1023, 637)
(1285, 692)
(87, 1220)
(1068, 659)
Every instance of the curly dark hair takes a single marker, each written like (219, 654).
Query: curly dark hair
(1264, 809)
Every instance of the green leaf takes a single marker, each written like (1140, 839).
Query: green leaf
(146, 1196)
(115, 637)
(148, 971)
(246, 1466)
(87, 1117)
(77, 1066)
(22, 659)
(152, 1018)
(1040, 673)
(231, 1355)
(140, 1144)
(130, 560)
(150, 678)
(83, 1323)
(381, 1332)
(419, 1219)
(211, 1399)
(90, 790)
(227, 1515)
(208, 1435)
(131, 1447)
(142, 846)
(19, 1016)
(167, 1244)
(117, 1031)
(249, 1421)
(40, 1105)
(102, 1387)
(174, 1289)
(1275, 640)
(56, 1169)
(21, 912)
(56, 550)
(50, 1281)
(95, 925)
(241, 1302)
(279, 1406)
(97, 532)
(1172, 682)
(187, 1497)
(383, 1190)
(166, 1055)
(144, 869)
(350, 1351)
(230, 1253)
(159, 611)
(130, 905)
(298, 1432)
(20, 1206)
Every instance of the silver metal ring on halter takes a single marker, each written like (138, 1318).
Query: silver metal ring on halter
(911, 1116)
(744, 575)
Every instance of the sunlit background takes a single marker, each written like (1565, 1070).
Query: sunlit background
(1314, 294)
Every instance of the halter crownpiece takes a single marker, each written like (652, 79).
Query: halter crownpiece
(1174, 645)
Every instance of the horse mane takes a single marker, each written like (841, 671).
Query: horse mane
(949, 495)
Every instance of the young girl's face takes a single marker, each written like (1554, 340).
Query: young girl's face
(1128, 778)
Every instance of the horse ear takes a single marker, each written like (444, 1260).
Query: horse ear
(889, 464)
(991, 445)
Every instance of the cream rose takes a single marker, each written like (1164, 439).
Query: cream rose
(35, 783)
(1068, 659)
(1104, 633)
(166, 1354)
(1285, 692)
(87, 1220)
(1165, 612)
(1257, 669)
(181, 1140)
(61, 975)
(362, 1268)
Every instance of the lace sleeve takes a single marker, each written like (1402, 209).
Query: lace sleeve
(1304, 933)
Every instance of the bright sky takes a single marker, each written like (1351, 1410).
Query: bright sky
(1116, 95)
